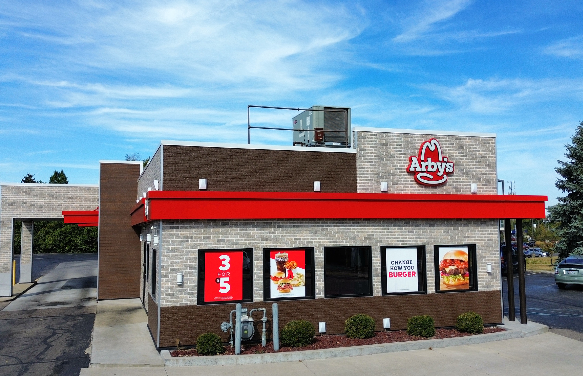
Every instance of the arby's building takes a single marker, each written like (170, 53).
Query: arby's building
(324, 232)
(395, 224)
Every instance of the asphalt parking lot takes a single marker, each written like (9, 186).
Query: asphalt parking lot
(47, 330)
(560, 310)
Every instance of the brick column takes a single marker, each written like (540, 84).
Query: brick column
(26, 236)
(6, 257)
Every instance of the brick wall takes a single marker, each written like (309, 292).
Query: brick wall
(384, 156)
(119, 245)
(153, 171)
(153, 318)
(186, 323)
(40, 202)
(251, 169)
(180, 241)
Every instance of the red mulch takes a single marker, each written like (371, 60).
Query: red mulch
(331, 341)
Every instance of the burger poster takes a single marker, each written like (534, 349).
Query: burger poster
(402, 272)
(287, 272)
(453, 267)
(223, 279)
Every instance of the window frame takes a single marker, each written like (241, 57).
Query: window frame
(421, 270)
(472, 267)
(153, 274)
(310, 269)
(370, 277)
(247, 282)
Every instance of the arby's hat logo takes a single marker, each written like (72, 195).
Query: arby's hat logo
(430, 166)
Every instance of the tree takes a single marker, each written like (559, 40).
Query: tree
(29, 178)
(568, 213)
(56, 236)
(58, 178)
(136, 157)
(133, 157)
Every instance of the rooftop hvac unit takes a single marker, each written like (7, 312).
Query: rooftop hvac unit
(322, 126)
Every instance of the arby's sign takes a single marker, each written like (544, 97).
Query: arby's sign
(430, 166)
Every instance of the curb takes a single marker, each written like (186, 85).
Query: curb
(513, 330)
(17, 294)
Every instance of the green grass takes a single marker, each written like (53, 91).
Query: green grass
(541, 263)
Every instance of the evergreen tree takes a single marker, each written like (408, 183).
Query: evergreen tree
(568, 213)
(29, 178)
(58, 178)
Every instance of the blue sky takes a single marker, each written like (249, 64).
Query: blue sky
(88, 80)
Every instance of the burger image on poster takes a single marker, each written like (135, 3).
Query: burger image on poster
(453, 268)
(287, 272)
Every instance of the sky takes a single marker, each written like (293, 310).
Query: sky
(89, 80)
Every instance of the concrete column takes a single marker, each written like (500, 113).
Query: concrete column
(6, 256)
(26, 252)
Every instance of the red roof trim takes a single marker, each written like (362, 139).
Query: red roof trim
(82, 218)
(198, 205)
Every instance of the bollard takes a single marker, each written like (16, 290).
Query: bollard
(275, 312)
(238, 329)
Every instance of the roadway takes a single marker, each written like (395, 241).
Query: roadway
(560, 310)
(47, 330)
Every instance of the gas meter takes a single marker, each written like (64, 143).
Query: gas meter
(247, 330)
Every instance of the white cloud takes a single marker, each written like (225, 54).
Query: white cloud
(570, 48)
(499, 95)
(431, 14)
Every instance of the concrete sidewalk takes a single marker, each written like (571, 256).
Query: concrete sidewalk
(122, 346)
(121, 336)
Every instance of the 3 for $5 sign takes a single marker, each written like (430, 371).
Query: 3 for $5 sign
(223, 279)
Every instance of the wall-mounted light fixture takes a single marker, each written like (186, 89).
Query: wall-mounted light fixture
(317, 186)
(474, 188)
(202, 184)
(154, 234)
(384, 186)
(179, 279)
(322, 327)
(489, 267)
(387, 323)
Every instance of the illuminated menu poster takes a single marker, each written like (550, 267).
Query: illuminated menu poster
(402, 272)
(287, 272)
(455, 267)
(223, 281)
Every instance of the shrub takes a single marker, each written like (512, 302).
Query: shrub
(470, 322)
(209, 344)
(297, 333)
(359, 326)
(423, 326)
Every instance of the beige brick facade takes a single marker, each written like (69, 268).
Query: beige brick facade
(181, 241)
(383, 156)
(36, 202)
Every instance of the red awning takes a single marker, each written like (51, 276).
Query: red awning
(82, 218)
(197, 205)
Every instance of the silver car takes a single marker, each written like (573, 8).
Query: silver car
(569, 272)
(537, 252)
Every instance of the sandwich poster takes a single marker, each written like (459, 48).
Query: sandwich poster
(453, 267)
(287, 272)
(223, 280)
(402, 272)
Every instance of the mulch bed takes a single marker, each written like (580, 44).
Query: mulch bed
(333, 341)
